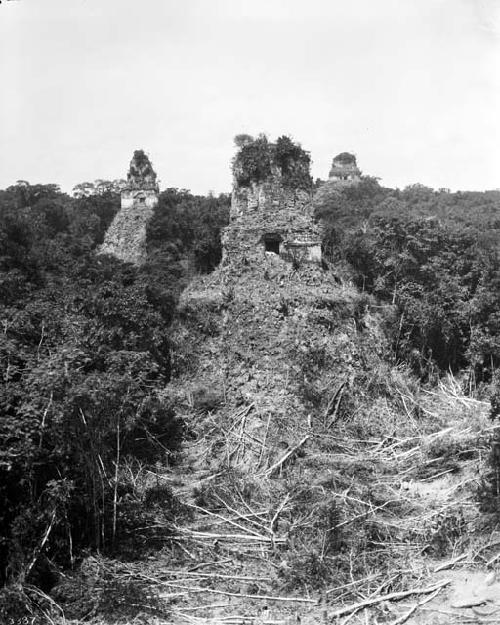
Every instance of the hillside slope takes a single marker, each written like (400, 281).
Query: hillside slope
(317, 474)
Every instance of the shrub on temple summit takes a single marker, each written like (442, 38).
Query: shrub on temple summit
(258, 159)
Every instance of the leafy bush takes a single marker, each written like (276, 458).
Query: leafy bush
(253, 162)
(184, 229)
(294, 163)
(257, 159)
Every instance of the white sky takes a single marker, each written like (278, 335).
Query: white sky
(411, 86)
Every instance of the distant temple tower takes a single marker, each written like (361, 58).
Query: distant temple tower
(344, 168)
(126, 237)
(142, 188)
(271, 209)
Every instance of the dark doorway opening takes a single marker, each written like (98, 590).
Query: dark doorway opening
(272, 243)
(272, 246)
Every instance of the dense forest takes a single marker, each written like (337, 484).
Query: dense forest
(433, 258)
(85, 351)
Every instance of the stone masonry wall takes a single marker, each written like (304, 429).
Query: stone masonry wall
(271, 208)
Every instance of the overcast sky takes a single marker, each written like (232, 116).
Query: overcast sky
(412, 87)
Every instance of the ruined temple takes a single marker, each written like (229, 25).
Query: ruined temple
(344, 168)
(126, 237)
(267, 349)
(273, 216)
(247, 331)
(344, 174)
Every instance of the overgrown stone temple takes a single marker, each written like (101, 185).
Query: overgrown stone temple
(273, 216)
(126, 237)
(250, 332)
(344, 168)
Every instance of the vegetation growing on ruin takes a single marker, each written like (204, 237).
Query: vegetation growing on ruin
(345, 158)
(258, 158)
(141, 170)
(293, 162)
(253, 162)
